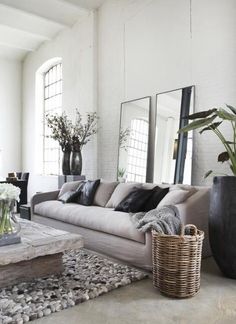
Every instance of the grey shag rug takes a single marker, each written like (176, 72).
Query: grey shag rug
(86, 276)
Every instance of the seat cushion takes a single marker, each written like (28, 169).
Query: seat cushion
(96, 218)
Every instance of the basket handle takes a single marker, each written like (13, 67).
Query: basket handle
(183, 227)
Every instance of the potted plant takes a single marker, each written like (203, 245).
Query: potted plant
(222, 218)
(61, 126)
(121, 174)
(72, 137)
(81, 134)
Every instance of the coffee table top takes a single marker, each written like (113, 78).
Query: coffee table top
(38, 240)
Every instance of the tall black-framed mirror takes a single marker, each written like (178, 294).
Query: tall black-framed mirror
(133, 140)
(173, 151)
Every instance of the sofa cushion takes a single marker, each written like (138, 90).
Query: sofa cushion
(93, 217)
(69, 186)
(69, 196)
(177, 196)
(104, 192)
(120, 192)
(87, 190)
(135, 201)
(156, 197)
(148, 185)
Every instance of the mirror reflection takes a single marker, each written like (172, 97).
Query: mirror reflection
(133, 140)
(173, 152)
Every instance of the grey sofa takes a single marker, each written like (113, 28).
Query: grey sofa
(111, 232)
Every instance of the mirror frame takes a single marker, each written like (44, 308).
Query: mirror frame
(188, 94)
(149, 130)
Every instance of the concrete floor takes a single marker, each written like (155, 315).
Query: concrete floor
(141, 303)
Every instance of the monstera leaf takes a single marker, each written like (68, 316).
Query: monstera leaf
(198, 124)
(222, 157)
(201, 114)
(232, 109)
(210, 127)
(210, 120)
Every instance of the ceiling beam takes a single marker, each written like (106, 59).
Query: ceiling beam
(10, 45)
(18, 39)
(17, 19)
(54, 10)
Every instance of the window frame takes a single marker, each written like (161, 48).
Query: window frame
(56, 147)
(143, 152)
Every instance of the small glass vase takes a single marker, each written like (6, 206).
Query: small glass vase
(9, 226)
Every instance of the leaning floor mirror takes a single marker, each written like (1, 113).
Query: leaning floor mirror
(173, 151)
(133, 140)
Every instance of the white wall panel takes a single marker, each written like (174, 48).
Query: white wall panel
(10, 117)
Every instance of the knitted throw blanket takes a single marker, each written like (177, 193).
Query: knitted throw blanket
(164, 220)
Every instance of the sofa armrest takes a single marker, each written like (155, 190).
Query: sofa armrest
(43, 196)
(195, 210)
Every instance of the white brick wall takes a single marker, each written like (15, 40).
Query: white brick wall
(146, 47)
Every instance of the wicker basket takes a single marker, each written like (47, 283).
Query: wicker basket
(177, 262)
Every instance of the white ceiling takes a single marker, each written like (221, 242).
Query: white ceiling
(26, 24)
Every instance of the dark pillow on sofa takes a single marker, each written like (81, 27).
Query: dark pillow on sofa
(87, 190)
(157, 195)
(69, 196)
(134, 201)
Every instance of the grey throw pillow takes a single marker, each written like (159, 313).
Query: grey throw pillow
(69, 186)
(120, 192)
(177, 196)
(104, 192)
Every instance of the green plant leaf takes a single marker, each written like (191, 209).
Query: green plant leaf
(222, 157)
(210, 127)
(229, 142)
(207, 174)
(201, 114)
(231, 108)
(233, 169)
(197, 124)
(223, 114)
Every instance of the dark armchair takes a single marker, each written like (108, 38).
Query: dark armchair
(22, 183)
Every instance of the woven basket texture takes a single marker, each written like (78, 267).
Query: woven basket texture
(177, 262)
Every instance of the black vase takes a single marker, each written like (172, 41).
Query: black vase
(76, 163)
(66, 162)
(222, 224)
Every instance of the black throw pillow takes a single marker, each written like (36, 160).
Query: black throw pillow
(87, 190)
(157, 195)
(69, 196)
(134, 201)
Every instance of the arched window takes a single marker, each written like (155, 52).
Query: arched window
(52, 105)
(48, 101)
(137, 151)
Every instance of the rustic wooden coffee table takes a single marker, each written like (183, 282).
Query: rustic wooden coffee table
(38, 255)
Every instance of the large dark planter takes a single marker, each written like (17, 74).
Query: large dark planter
(66, 162)
(76, 163)
(222, 224)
